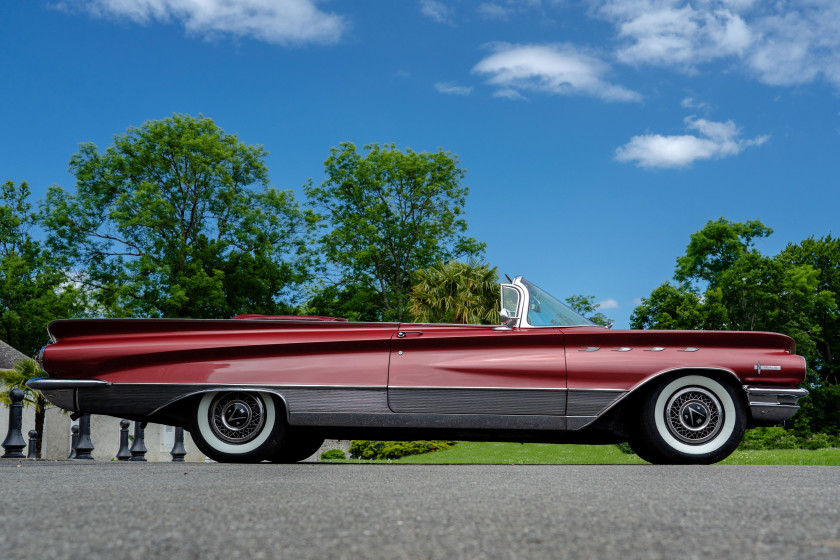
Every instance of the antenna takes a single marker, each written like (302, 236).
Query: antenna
(508, 278)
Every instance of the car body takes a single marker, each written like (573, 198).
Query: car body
(258, 388)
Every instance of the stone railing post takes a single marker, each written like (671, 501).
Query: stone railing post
(124, 454)
(74, 439)
(138, 446)
(14, 442)
(33, 443)
(178, 451)
(84, 446)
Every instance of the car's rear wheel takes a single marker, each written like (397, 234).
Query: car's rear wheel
(299, 444)
(692, 419)
(238, 426)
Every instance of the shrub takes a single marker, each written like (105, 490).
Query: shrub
(624, 447)
(766, 438)
(333, 455)
(820, 411)
(780, 438)
(366, 449)
(819, 441)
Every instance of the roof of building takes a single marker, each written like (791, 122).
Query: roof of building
(8, 356)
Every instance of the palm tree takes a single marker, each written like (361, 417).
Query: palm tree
(456, 292)
(24, 370)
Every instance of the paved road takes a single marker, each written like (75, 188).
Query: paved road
(129, 510)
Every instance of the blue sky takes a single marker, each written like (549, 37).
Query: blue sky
(597, 134)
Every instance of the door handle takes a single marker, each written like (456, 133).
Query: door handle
(402, 334)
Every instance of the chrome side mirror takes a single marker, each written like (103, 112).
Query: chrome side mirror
(507, 320)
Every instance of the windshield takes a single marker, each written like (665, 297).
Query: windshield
(544, 310)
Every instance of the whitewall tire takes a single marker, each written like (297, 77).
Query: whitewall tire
(692, 419)
(238, 426)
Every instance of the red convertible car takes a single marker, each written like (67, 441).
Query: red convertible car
(257, 388)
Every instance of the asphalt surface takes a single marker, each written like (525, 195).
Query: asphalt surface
(195, 510)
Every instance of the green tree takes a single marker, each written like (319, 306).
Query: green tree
(716, 247)
(389, 213)
(354, 302)
(823, 255)
(672, 307)
(176, 219)
(16, 378)
(586, 306)
(34, 287)
(456, 292)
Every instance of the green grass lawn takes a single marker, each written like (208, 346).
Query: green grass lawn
(550, 454)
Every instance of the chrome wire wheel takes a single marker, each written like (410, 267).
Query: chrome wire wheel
(238, 426)
(694, 415)
(236, 417)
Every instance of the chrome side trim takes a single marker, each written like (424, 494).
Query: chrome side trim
(258, 385)
(579, 422)
(591, 402)
(48, 383)
(460, 401)
(412, 387)
(773, 404)
(423, 420)
(314, 399)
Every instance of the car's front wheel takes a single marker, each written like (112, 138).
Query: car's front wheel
(692, 419)
(238, 426)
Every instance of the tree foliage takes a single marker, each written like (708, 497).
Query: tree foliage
(176, 219)
(389, 213)
(716, 247)
(823, 256)
(586, 306)
(679, 307)
(456, 292)
(34, 287)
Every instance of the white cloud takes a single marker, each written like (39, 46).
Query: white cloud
(669, 32)
(272, 21)
(436, 10)
(780, 43)
(492, 10)
(608, 303)
(714, 140)
(451, 89)
(691, 103)
(799, 46)
(504, 9)
(509, 94)
(552, 69)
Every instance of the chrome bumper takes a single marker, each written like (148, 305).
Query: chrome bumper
(773, 404)
(62, 392)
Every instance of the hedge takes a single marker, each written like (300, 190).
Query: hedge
(367, 449)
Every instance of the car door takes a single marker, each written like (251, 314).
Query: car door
(458, 369)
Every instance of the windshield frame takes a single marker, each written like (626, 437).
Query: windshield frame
(533, 294)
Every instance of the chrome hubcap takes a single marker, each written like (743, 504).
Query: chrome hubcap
(694, 415)
(236, 417)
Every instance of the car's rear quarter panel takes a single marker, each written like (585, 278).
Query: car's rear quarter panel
(626, 359)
